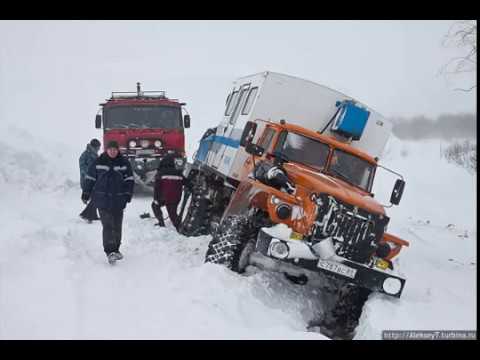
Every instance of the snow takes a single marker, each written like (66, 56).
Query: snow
(440, 265)
(55, 282)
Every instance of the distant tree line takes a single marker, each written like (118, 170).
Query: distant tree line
(445, 127)
(462, 153)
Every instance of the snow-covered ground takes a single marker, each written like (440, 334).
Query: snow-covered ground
(55, 282)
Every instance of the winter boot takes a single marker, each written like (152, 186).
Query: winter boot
(119, 255)
(160, 223)
(112, 257)
(85, 219)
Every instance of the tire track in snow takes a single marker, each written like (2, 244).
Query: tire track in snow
(165, 269)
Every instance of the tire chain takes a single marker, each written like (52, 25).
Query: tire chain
(227, 243)
(192, 212)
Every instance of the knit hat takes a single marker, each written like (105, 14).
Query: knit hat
(112, 144)
(95, 143)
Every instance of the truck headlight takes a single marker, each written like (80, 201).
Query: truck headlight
(144, 143)
(283, 211)
(158, 143)
(178, 162)
(392, 285)
(279, 249)
(132, 143)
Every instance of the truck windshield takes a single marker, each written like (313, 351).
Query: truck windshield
(144, 117)
(304, 150)
(352, 169)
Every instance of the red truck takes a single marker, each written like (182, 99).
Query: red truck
(147, 125)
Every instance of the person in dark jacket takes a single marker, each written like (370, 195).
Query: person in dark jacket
(87, 158)
(109, 183)
(167, 190)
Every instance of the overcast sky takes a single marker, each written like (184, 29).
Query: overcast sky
(53, 74)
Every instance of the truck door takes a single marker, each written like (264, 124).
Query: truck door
(225, 132)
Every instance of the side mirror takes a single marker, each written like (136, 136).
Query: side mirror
(186, 121)
(98, 121)
(248, 133)
(397, 192)
(254, 149)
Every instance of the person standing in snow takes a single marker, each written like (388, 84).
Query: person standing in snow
(87, 158)
(167, 190)
(109, 183)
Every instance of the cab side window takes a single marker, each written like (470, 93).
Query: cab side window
(240, 103)
(231, 101)
(266, 138)
(250, 99)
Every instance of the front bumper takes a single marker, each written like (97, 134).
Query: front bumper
(316, 269)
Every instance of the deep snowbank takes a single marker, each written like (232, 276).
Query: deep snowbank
(56, 284)
(437, 215)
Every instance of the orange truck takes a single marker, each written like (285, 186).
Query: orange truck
(284, 184)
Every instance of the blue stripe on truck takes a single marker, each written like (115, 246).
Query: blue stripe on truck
(205, 145)
(227, 141)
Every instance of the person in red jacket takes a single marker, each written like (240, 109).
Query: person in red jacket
(167, 190)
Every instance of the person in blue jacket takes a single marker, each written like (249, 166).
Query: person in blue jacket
(87, 158)
(109, 184)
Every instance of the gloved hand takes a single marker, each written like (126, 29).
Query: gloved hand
(85, 197)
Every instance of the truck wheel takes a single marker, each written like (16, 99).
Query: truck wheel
(232, 243)
(195, 213)
(342, 319)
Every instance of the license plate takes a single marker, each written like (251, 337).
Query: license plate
(145, 152)
(337, 268)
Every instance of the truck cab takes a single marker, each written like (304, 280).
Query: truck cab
(321, 189)
(147, 125)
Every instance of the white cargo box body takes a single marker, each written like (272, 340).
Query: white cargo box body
(273, 96)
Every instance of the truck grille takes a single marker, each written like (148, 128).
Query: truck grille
(355, 232)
